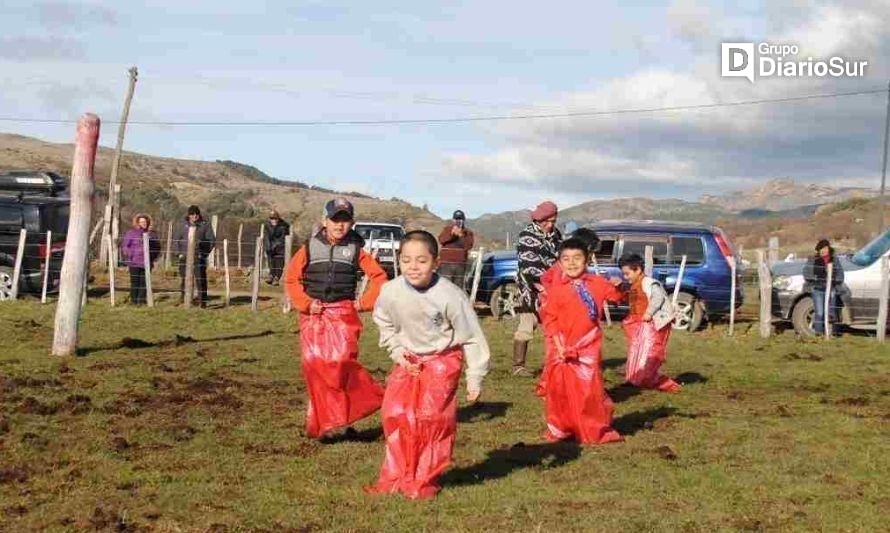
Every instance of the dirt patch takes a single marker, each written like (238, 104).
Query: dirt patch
(13, 474)
(10, 385)
(120, 444)
(734, 395)
(794, 356)
(4, 426)
(784, 411)
(102, 520)
(33, 406)
(858, 401)
(15, 511)
(77, 404)
(181, 432)
(35, 441)
(667, 453)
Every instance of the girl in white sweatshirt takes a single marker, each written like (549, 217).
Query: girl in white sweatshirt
(428, 325)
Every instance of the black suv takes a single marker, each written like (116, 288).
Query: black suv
(37, 202)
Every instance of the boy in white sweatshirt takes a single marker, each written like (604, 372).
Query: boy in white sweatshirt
(428, 325)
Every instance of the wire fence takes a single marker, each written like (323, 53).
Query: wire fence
(240, 272)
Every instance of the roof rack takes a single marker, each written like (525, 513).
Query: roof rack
(33, 182)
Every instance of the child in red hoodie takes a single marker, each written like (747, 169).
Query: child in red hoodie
(577, 407)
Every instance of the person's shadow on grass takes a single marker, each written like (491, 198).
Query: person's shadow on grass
(632, 423)
(482, 411)
(502, 462)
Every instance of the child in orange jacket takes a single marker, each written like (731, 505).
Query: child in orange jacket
(321, 282)
(577, 407)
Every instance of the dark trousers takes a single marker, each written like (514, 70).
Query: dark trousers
(454, 272)
(276, 266)
(137, 286)
(200, 279)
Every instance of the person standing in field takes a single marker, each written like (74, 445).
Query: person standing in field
(536, 249)
(457, 240)
(428, 326)
(205, 242)
(134, 255)
(274, 235)
(816, 275)
(321, 281)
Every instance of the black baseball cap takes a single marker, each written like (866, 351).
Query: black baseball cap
(338, 206)
(459, 215)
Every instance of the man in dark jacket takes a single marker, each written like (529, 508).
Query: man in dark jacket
(457, 241)
(816, 275)
(537, 249)
(274, 235)
(205, 241)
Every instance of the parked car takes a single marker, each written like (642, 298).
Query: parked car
(704, 290)
(36, 202)
(862, 276)
(383, 239)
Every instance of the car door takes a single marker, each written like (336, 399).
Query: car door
(11, 223)
(637, 243)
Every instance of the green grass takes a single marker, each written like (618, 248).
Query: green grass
(203, 432)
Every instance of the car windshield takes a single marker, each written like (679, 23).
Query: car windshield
(380, 232)
(873, 250)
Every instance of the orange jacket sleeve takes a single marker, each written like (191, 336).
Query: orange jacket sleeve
(293, 282)
(376, 278)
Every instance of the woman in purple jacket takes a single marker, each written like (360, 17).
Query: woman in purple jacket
(134, 256)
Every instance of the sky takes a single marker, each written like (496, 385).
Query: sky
(298, 61)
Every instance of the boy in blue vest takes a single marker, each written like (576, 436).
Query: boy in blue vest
(322, 281)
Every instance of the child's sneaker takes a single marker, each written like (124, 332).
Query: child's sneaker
(521, 371)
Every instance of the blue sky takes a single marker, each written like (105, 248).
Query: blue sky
(219, 61)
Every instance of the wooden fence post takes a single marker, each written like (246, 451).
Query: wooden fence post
(679, 283)
(17, 270)
(168, 259)
(648, 255)
(288, 250)
(111, 270)
(733, 267)
(240, 231)
(828, 297)
(395, 258)
(116, 226)
(477, 276)
(226, 271)
(149, 293)
(189, 285)
(883, 298)
(212, 259)
(106, 229)
(47, 265)
(95, 231)
(72, 284)
(773, 254)
(257, 260)
(766, 295)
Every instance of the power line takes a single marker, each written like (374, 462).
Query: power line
(457, 120)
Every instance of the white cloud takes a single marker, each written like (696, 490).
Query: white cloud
(717, 148)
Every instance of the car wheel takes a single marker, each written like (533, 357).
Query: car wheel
(802, 317)
(5, 283)
(503, 301)
(690, 313)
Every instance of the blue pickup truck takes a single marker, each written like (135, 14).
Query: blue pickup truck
(705, 289)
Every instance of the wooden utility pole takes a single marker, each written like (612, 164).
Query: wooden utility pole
(884, 165)
(189, 282)
(74, 265)
(766, 295)
(114, 201)
(146, 255)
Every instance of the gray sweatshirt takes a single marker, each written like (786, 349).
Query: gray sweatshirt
(429, 322)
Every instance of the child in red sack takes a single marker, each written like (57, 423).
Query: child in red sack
(647, 327)
(321, 281)
(577, 407)
(428, 326)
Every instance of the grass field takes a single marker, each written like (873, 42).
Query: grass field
(173, 420)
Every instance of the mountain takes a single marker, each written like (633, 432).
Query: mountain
(237, 193)
(784, 194)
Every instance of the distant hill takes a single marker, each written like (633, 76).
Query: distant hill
(236, 192)
(783, 195)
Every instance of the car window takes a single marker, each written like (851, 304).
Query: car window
(637, 245)
(691, 247)
(379, 232)
(873, 250)
(10, 218)
(56, 219)
(606, 253)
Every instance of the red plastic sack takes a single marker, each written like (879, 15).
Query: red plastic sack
(646, 347)
(340, 390)
(419, 421)
(576, 406)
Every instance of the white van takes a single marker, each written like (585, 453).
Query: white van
(382, 239)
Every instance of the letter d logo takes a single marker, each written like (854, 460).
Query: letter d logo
(737, 60)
